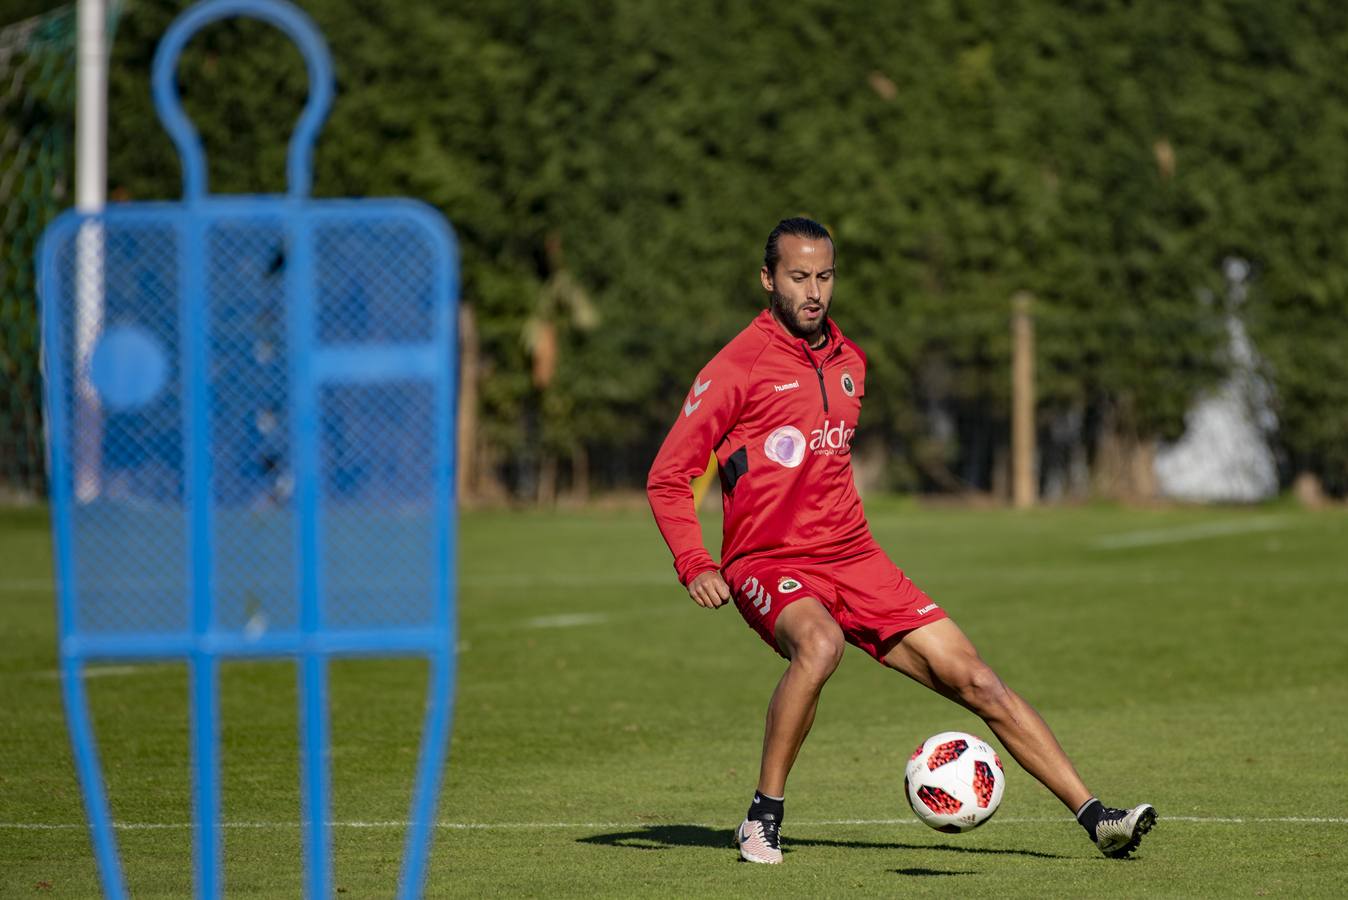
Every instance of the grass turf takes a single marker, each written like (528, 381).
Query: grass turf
(607, 731)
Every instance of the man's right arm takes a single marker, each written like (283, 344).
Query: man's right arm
(709, 412)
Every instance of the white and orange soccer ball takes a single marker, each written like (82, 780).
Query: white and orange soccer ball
(954, 781)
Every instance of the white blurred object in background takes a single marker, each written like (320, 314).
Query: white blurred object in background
(1224, 455)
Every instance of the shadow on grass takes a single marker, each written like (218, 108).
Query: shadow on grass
(666, 837)
(926, 873)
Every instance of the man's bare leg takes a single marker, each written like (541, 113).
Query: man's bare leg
(941, 657)
(814, 643)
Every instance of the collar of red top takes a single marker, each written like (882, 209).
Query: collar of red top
(834, 344)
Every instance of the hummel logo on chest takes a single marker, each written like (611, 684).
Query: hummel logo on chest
(786, 387)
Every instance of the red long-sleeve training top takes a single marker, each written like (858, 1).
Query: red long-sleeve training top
(780, 418)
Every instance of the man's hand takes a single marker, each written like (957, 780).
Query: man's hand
(709, 590)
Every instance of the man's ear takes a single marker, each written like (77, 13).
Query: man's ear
(766, 277)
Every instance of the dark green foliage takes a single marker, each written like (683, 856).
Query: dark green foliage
(1106, 156)
(37, 105)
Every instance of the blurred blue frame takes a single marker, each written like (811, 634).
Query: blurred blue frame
(311, 366)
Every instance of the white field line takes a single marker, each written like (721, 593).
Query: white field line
(637, 826)
(16, 585)
(566, 620)
(1183, 533)
(503, 580)
(658, 578)
(102, 671)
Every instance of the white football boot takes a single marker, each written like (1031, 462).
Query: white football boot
(1119, 831)
(758, 840)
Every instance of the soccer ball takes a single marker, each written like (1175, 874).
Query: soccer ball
(954, 782)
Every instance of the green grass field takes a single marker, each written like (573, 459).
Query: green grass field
(607, 731)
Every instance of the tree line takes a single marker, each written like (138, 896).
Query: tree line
(612, 169)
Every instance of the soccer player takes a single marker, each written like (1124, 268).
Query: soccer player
(779, 405)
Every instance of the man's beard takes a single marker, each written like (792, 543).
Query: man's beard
(809, 332)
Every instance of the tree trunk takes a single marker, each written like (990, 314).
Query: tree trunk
(467, 478)
(1124, 461)
(547, 479)
(580, 473)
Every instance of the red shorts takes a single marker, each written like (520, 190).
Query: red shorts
(869, 597)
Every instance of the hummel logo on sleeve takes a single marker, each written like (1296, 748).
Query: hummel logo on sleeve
(699, 388)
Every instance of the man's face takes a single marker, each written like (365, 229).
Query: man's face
(801, 289)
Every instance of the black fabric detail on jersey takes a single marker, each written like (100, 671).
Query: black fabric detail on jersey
(734, 469)
(819, 370)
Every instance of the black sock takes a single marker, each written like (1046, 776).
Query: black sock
(1089, 815)
(763, 807)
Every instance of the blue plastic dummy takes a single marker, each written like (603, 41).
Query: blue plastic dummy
(250, 408)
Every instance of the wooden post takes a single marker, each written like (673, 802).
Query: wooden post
(469, 361)
(1023, 481)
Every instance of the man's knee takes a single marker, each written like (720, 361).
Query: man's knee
(979, 687)
(814, 645)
